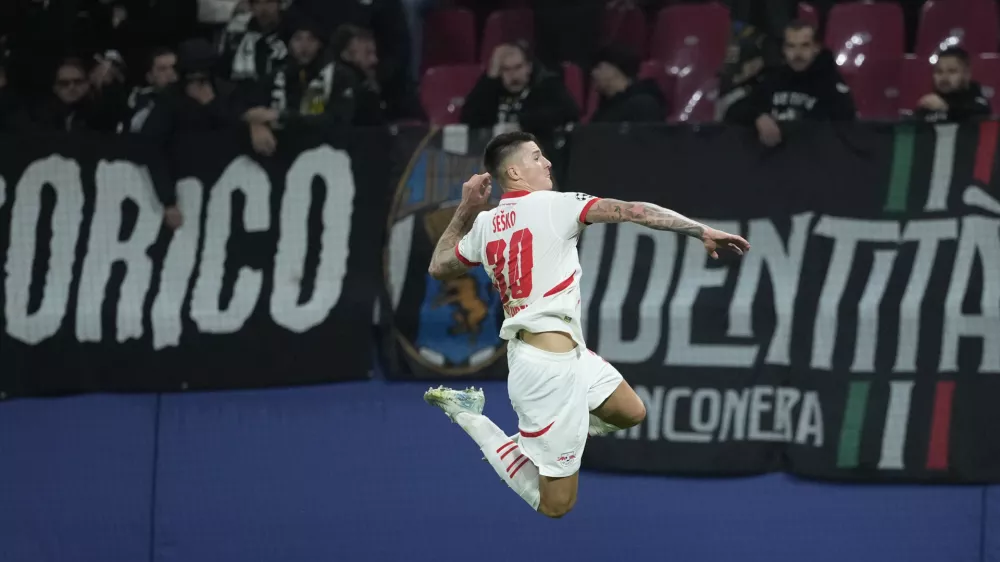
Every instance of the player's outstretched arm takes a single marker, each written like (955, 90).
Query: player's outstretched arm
(659, 218)
(445, 263)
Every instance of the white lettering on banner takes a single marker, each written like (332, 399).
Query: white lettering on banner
(695, 276)
(117, 182)
(591, 248)
(333, 167)
(928, 235)
(612, 345)
(759, 413)
(785, 268)
(245, 175)
(846, 233)
(897, 418)
(866, 335)
(979, 236)
(63, 175)
(178, 265)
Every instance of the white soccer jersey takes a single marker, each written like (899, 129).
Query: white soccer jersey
(527, 245)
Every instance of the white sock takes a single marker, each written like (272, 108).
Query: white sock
(504, 455)
(600, 427)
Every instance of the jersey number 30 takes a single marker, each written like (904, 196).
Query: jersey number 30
(516, 266)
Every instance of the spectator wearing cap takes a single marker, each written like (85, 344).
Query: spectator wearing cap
(252, 47)
(956, 97)
(309, 90)
(378, 102)
(161, 72)
(624, 98)
(514, 90)
(72, 106)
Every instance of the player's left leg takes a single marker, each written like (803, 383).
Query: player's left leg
(612, 402)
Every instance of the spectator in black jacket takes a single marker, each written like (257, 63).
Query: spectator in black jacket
(72, 106)
(515, 91)
(807, 87)
(309, 90)
(161, 72)
(623, 97)
(378, 101)
(740, 78)
(252, 46)
(956, 97)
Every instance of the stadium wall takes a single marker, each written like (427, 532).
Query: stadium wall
(367, 472)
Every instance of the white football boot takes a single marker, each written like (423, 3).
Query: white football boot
(453, 402)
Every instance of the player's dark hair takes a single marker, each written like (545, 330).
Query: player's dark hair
(500, 148)
(799, 25)
(955, 53)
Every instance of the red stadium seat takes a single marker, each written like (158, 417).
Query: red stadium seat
(971, 24)
(691, 40)
(573, 78)
(915, 81)
(986, 71)
(859, 32)
(807, 13)
(449, 38)
(627, 28)
(443, 90)
(875, 88)
(506, 26)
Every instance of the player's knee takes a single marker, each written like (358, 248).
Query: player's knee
(556, 507)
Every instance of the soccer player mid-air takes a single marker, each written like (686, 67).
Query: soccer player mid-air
(561, 391)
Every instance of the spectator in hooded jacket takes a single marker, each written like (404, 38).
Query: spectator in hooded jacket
(807, 87)
(378, 100)
(516, 91)
(624, 98)
(956, 97)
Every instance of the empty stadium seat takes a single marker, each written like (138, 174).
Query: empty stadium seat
(506, 26)
(986, 71)
(443, 90)
(626, 27)
(691, 40)
(449, 38)
(971, 24)
(916, 79)
(875, 88)
(860, 32)
(573, 78)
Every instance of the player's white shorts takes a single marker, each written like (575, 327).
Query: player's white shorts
(553, 394)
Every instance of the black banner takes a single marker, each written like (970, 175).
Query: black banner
(860, 337)
(270, 281)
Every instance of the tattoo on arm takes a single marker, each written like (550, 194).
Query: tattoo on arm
(444, 264)
(645, 214)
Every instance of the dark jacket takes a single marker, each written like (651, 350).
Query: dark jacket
(247, 53)
(540, 108)
(818, 93)
(327, 87)
(89, 114)
(736, 102)
(641, 102)
(383, 103)
(962, 106)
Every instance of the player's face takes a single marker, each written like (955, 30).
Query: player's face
(534, 167)
(950, 75)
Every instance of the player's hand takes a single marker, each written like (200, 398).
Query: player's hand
(173, 217)
(768, 131)
(476, 191)
(716, 241)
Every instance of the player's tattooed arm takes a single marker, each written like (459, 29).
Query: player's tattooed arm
(645, 214)
(444, 263)
(656, 217)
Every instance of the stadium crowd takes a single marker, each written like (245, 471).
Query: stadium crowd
(158, 68)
